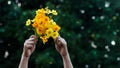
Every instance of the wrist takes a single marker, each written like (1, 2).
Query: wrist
(25, 56)
(65, 55)
(66, 58)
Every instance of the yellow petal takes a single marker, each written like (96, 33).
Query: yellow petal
(28, 22)
(54, 12)
(55, 35)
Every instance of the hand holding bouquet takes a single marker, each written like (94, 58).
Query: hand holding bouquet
(43, 24)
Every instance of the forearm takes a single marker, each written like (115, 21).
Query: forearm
(67, 62)
(24, 62)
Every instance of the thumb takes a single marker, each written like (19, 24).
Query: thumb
(55, 40)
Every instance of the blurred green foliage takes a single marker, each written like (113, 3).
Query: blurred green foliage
(84, 23)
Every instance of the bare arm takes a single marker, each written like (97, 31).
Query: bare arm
(61, 47)
(24, 62)
(67, 61)
(29, 47)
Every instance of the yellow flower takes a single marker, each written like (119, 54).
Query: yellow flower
(50, 23)
(32, 20)
(35, 25)
(49, 32)
(28, 22)
(44, 39)
(38, 17)
(40, 22)
(56, 28)
(39, 30)
(55, 35)
(51, 20)
(40, 11)
(47, 10)
(54, 12)
(46, 19)
(53, 23)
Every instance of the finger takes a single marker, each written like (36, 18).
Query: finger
(29, 42)
(55, 40)
(61, 41)
(60, 38)
(29, 46)
(58, 41)
(31, 39)
(58, 45)
(33, 36)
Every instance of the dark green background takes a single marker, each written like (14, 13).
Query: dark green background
(84, 23)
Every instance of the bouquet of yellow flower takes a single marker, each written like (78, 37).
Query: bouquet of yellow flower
(43, 24)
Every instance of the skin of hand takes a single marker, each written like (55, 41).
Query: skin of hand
(61, 46)
(29, 46)
(28, 49)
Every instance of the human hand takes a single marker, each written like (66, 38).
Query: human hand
(61, 46)
(29, 46)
